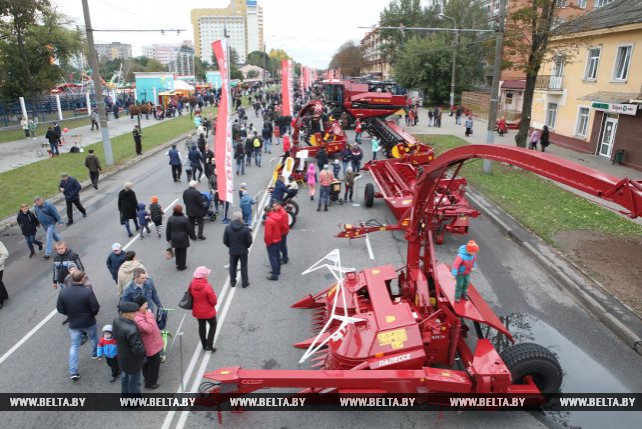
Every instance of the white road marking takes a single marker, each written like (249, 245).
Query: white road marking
(370, 253)
(55, 311)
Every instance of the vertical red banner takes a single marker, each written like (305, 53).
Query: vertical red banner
(286, 86)
(223, 144)
(301, 80)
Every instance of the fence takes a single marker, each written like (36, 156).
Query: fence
(44, 108)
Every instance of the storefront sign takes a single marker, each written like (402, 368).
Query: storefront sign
(625, 109)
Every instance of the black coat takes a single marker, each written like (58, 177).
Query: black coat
(179, 231)
(131, 351)
(238, 238)
(79, 304)
(193, 200)
(27, 222)
(127, 204)
(71, 188)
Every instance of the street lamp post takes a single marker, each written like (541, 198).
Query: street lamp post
(454, 62)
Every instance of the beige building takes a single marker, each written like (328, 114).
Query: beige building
(375, 64)
(592, 103)
(243, 21)
(114, 50)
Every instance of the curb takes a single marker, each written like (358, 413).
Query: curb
(629, 337)
(10, 221)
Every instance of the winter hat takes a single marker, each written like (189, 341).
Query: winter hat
(243, 185)
(154, 199)
(472, 247)
(202, 272)
(336, 161)
(349, 169)
(108, 328)
(128, 307)
(139, 300)
(326, 167)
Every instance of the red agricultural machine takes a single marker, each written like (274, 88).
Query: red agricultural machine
(333, 138)
(386, 330)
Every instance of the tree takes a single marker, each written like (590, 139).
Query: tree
(252, 74)
(258, 58)
(529, 29)
(200, 68)
(349, 58)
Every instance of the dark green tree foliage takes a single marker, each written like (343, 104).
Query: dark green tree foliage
(349, 58)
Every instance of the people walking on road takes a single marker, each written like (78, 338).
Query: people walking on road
(127, 206)
(58, 132)
(80, 305)
(437, 113)
(534, 139)
(195, 206)
(93, 165)
(51, 137)
(204, 307)
(115, 110)
(209, 165)
(279, 213)
(336, 168)
(469, 125)
(138, 139)
(63, 258)
(196, 159)
(346, 158)
(156, 213)
(462, 266)
(458, 113)
(266, 133)
(358, 129)
(501, 126)
(115, 259)
(322, 158)
(239, 156)
(357, 156)
(257, 148)
(545, 138)
(69, 279)
(176, 162)
(325, 181)
(70, 187)
(142, 285)
(152, 341)
(246, 202)
(32, 128)
(94, 120)
(108, 348)
(48, 216)
(249, 148)
(238, 239)
(131, 351)
(348, 179)
(376, 145)
(143, 220)
(126, 270)
(311, 180)
(4, 255)
(272, 238)
(287, 145)
(28, 223)
(178, 233)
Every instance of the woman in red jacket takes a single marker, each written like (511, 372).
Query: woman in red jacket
(204, 307)
(152, 340)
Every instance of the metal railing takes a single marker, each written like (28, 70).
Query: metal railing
(547, 82)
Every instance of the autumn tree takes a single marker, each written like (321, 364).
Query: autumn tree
(349, 58)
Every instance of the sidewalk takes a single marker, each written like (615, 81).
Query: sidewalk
(448, 127)
(22, 152)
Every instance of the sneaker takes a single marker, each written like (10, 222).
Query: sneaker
(85, 214)
(457, 299)
(465, 296)
(31, 254)
(74, 377)
(141, 237)
(40, 246)
(163, 358)
(94, 357)
(245, 285)
(84, 339)
(159, 235)
(131, 235)
(64, 322)
(70, 223)
(113, 378)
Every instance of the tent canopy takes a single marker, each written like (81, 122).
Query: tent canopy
(182, 85)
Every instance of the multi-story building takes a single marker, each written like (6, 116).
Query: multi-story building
(182, 63)
(593, 103)
(375, 64)
(165, 53)
(114, 50)
(241, 19)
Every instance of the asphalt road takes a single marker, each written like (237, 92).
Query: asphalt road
(257, 327)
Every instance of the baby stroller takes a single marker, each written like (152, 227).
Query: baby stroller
(335, 192)
(208, 203)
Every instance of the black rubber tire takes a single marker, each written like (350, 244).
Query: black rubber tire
(292, 206)
(291, 218)
(537, 361)
(368, 195)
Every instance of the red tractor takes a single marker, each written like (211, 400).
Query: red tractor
(388, 330)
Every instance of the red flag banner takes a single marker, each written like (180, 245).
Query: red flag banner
(286, 86)
(223, 139)
(302, 80)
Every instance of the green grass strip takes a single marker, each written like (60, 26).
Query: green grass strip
(541, 206)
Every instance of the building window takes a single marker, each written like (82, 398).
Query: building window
(551, 115)
(582, 121)
(622, 62)
(581, 4)
(561, 3)
(600, 3)
(592, 63)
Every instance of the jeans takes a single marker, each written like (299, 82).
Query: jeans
(129, 231)
(275, 263)
(130, 384)
(247, 216)
(349, 192)
(54, 148)
(76, 337)
(356, 166)
(345, 167)
(31, 240)
(283, 248)
(267, 145)
(257, 157)
(248, 158)
(324, 196)
(458, 120)
(51, 237)
(240, 166)
(195, 168)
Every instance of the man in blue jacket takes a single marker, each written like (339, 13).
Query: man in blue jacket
(47, 215)
(176, 162)
(70, 188)
(142, 285)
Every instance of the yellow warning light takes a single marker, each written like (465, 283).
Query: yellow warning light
(376, 272)
(378, 355)
(225, 372)
(390, 319)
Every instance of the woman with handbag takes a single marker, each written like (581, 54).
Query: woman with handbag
(178, 233)
(204, 306)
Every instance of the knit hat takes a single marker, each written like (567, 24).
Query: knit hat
(336, 161)
(243, 185)
(139, 300)
(128, 307)
(472, 247)
(154, 199)
(326, 167)
(202, 272)
(108, 328)
(116, 246)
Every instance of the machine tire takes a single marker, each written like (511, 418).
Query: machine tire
(292, 206)
(369, 195)
(291, 218)
(534, 360)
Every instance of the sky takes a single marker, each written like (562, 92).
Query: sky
(309, 31)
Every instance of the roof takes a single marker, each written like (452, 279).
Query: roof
(611, 97)
(616, 14)
(514, 84)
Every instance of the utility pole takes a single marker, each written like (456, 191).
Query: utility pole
(95, 76)
(452, 78)
(497, 71)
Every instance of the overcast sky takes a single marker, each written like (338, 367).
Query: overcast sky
(309, 31)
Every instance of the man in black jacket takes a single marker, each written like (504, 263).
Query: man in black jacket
(80, 305)
(70, 188)
(64, 256)
(131, 351)
(238, 238)
(194, 205)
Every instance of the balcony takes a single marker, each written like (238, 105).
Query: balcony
(548, 82)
